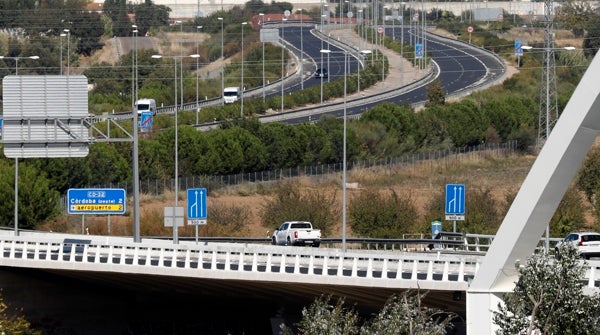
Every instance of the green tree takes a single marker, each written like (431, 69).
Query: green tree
(548, 298)
(37, 201)
(373, 214)
(14, 324)
(404, 314)
(148, 15)
(591, 43)
(324, 317)
(569, 216)
(588, 178)
(285, 145)
(288, 203)
(436, 95)
(575, 15)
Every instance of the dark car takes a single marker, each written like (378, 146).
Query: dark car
(321, 73)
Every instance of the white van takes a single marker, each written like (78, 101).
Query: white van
(145, 105)
(231, 94)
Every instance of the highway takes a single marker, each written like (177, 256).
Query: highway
(461, 68)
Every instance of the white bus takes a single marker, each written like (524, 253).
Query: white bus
(231, 94)
(145, 105)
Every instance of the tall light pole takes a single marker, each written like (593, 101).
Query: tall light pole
(68, 50)
(16, 213)
(180, 60)
(262, 18)
(197, 68)
(286, 13)
(61, 52)
(301, 50)
(243, 88)
(344, 172)
(176, 154)
(222, 59)
(364, 54)
(134, 116)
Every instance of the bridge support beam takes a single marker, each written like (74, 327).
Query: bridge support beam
(537, 200)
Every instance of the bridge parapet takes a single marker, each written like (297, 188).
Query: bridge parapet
(379, 268)
(438, 270)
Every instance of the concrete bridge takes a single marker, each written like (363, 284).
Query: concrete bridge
(47, 274)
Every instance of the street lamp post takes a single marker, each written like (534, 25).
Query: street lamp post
(243, 88)
(286, 13)
(61, 52)
(197, 68)
(301, 50)
(68, 50)
(16, 213)
(180, 60)
(344, 168)
(364, 54)
(222, 59)
(176, 154)
(262, 18)
(135, 153)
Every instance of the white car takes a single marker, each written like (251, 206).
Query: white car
(587, 243)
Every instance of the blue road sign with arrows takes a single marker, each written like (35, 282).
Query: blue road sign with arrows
(455, 201)
(196, 206)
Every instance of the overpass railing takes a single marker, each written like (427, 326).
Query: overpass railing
(205, 258)
(231, 260)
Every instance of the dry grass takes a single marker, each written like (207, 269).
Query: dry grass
(242, 205)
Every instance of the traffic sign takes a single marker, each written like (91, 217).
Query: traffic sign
(171, 214)
(418, 50)
(196, 205)
(455, 201)
(380, 29)
(146, 121)
(96, 201)
(470, 29)
(518, 48)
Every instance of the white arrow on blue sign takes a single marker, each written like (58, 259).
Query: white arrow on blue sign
(196, 204)
(455, 201)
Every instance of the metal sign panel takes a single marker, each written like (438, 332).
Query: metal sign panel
(96, 201)
(45, 116)
(269, 35)
(177, 214)
(518, 48)
(146, 121)
(455, 201)
(196, 206)
(419, 50)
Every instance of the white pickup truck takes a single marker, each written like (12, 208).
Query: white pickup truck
(296, 233)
